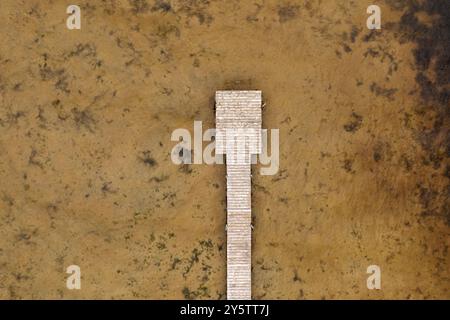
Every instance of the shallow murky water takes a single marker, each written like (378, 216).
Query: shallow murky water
(85, 124)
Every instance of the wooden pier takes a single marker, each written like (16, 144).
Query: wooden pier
(238, 136)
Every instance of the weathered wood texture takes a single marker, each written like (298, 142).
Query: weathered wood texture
(238, 135)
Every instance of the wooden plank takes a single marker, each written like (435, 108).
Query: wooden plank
(238, 135)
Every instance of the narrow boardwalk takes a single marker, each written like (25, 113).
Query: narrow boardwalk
(238, 135)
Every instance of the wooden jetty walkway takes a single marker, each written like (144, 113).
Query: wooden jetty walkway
(238, 136)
